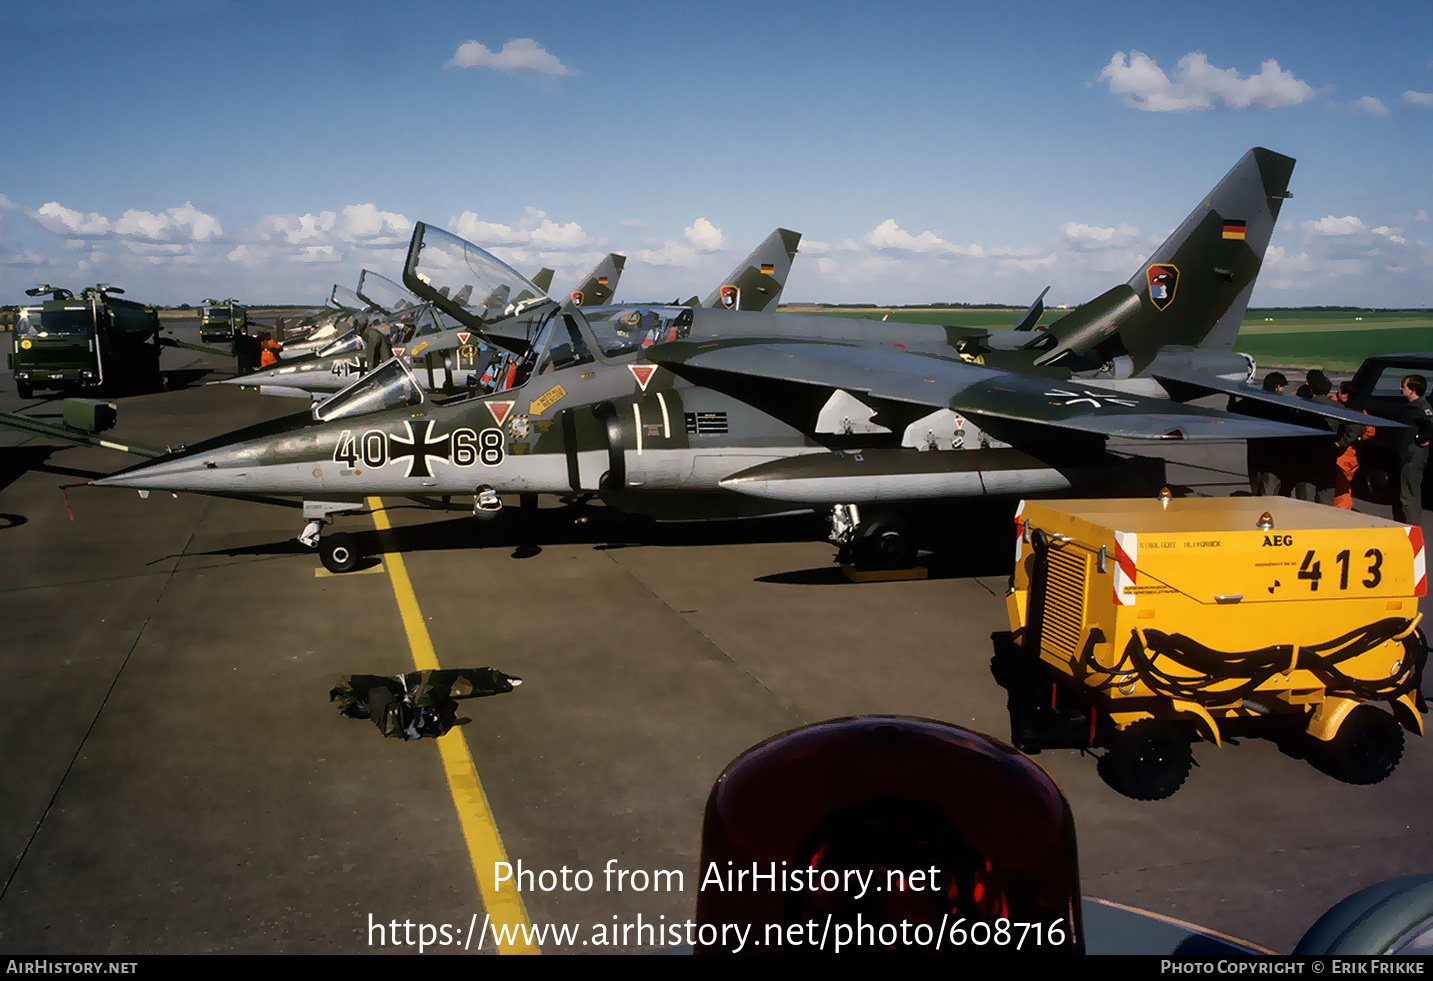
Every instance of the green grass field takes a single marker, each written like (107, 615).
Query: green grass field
(1334, 340)
(1337, 340)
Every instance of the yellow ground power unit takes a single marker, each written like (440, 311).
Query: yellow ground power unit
(1143, 625)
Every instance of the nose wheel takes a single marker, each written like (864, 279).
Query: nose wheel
(338, 553)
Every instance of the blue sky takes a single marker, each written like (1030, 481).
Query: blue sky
(927, 151)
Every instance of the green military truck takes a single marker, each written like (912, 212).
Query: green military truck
(94, 340)
(220, 319)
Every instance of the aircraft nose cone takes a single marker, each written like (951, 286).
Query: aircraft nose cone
(264, 376)
(162, 473)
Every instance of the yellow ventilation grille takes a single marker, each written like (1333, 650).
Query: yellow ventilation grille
(1065, 601)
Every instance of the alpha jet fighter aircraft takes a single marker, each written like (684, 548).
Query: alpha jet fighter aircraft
(313, 332)
(447, 358)
(397, 323)
(685, 413)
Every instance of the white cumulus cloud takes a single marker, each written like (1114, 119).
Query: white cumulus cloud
(364, 222)
(1424, 99)
(889, 235)
(293, 229)
(1196, 84)
(1369, 105)
(667, 253)
(475, 230)
(550, 235)
(55, 217)
(183, 224)
(186, 223)
(1347, 225)
(520, 54)
(704, 235)
(534, 230)
(1080, 237)
(318, 253)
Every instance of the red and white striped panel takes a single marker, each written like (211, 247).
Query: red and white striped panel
(1018, 511)
(1126, 574)
(1420, 567)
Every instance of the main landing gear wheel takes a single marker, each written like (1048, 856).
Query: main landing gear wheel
(1367, 748)
(1375, 484)
(883, 542)
(338, 553)
(1147, 761)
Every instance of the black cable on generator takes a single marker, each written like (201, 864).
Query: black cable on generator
(1254, 668)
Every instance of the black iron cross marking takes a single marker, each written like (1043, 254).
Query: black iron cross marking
(417, 448)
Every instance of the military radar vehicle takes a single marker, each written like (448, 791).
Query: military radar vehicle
(94, 340)
(220, 319)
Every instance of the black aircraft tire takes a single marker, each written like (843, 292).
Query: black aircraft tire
(1367, 748)
(1148, 761)
(338, 553)
(1375, 484)
(24, 390)
(883, 543)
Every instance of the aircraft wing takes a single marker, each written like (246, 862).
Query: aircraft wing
(885, 374)
(1206, 384)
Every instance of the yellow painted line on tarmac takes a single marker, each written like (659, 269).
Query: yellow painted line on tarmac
(508, 916)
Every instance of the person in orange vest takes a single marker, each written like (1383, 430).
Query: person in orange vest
(1347, 461)
(270, 350)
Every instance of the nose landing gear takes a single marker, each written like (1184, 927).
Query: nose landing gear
(338, 553)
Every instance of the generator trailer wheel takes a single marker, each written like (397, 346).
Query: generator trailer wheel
(1367, 747)
(1147, 761)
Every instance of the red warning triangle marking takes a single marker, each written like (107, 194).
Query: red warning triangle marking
(643, 373)
(463, 336)
(500, 410)
(398, 351)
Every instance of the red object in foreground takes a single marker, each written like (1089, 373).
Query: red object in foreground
(887, 833)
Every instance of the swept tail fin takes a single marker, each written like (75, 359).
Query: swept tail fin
(1033, 314)
(599, 285)
(757, 281)
(1194, 289)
